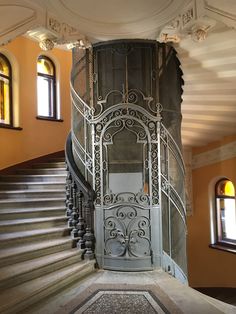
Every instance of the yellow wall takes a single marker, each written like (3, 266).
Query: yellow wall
(208, 267)
(38, 137)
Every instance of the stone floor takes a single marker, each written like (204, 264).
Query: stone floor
(126, 292)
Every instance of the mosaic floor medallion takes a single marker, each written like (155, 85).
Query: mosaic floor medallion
(122, 302)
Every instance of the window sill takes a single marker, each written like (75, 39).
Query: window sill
(10, 127)
(224, 247)
(49, 119)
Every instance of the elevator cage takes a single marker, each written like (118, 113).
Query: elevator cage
(126, 119)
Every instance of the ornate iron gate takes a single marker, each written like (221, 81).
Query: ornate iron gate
(126, 184)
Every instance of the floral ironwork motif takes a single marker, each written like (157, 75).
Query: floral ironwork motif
(127, 232)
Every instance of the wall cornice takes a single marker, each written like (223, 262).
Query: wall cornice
(213, 156)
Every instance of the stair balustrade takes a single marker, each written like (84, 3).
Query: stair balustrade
(79, 205)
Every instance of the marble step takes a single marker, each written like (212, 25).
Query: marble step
(32, 202)
(12, 213)
(33, 178)
(16, 299)
(22, 237)
(41, 171)
(20, 194)
(16, 225)
(20, 253)
(56, 159)
(21, 272)
(32, 186)
(50, 165)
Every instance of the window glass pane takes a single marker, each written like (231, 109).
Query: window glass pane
(4, 102)
(226, 215)
(4, 67)
(46, 88)
(43, 97)
(5, 92)
(45, 66)
(225, 188)
(126, 158)
(225, 211)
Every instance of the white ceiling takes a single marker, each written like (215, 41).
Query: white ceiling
(209, 66)
(112, 19)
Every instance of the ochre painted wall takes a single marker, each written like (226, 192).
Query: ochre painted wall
(38, 137)
(208, 267)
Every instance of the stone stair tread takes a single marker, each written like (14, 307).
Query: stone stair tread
(28, 210)
(26, 191)
(9, 252)
(49, 164)
(32, 175)
(49, 168)
(31, 220)
(57, 159)
(28, 200)
(58, 168)
(20, 296)
(29, 233)
(41, 171)
(30, 183)
(36, 263)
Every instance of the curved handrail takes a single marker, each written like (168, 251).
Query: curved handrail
(79, 203)
(76, 174)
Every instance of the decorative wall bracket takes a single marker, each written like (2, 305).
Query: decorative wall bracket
(192, 21)
(53, 33)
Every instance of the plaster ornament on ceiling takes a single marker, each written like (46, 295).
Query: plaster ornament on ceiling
(63, 29)
(199, 34)
(173, 31)
(46, 44)
(190, 22)
(166, 38)
(81, 44)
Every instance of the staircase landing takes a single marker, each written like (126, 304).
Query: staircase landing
(124, 292)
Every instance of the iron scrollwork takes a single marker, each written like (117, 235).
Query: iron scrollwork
(127, 232)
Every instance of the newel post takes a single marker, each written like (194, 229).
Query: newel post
(81, 224)
(89, 237)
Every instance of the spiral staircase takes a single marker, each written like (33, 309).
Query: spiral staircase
(209, 114)
(38, 256)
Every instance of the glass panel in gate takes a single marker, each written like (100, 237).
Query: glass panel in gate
(126, 199)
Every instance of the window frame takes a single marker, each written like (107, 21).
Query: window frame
(51, 79)
(220, 242)
(9, 78)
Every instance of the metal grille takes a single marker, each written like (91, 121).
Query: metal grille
(116, 93)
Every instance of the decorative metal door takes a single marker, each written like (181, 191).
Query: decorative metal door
(126, 183)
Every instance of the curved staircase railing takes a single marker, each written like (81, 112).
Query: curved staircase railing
(79, 204)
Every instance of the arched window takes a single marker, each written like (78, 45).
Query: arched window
(46, 88)
(225, 212)
(6, 112)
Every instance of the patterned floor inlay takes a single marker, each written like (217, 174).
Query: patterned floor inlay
(103, 298)
(122, 302)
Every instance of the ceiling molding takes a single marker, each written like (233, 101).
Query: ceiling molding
(224, 13)
(17, 17)
(113, 20)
